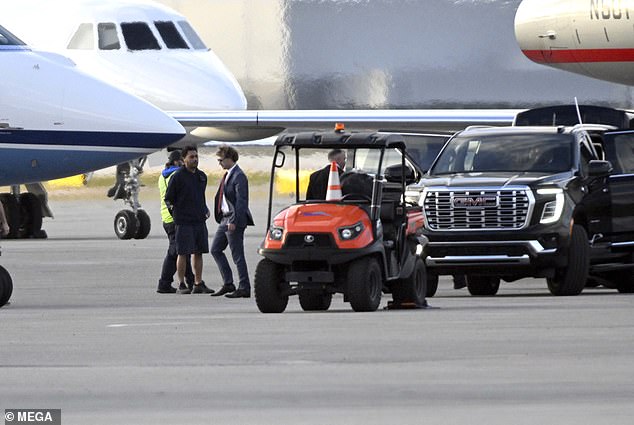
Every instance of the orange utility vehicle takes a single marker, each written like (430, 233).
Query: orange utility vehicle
(363, 244)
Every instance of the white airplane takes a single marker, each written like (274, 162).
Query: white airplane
(588, 37)
(56, 121)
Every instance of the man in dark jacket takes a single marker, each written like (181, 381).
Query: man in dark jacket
(318, 181)
(185, 197)
(174, 162)
(231, 210)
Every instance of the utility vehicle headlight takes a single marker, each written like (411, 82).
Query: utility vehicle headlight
(276, 233)
(350, 232)
(552, 209)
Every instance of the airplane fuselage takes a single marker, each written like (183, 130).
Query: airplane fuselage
(588, 37)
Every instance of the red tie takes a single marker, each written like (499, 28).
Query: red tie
(221, 191)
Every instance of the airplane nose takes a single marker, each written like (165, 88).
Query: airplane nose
(530, 18)
(191, 81)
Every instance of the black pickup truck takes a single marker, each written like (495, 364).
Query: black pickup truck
(534, 201)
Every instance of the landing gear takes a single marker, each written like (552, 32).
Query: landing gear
(24, 213)
(6, 286)
(133, 223)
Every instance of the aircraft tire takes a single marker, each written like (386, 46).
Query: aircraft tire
(314, 300)
(413, 288)
(30, 215)
(269, 287)
(12, 212)
(144, 225)
(365, 283)
(125, 224)
(6, 286)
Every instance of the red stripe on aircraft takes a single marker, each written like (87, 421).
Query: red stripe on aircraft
(580, 55)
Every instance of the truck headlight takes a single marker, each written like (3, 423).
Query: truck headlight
(552, 209)
(350, 232)
(276, 233)
(412, 197)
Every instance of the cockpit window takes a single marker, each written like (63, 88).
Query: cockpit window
(108, 37)
(191, 35)
(8, 39)
(170, 35)
(138, 36)
(83, 39)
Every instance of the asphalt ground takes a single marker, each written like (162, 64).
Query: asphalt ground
(87, 333)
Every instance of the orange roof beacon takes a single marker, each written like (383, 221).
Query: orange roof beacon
(361, 243)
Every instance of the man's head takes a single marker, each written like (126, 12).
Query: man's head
(227, 156)
(190, 157)
(339, 156)
(175, 158)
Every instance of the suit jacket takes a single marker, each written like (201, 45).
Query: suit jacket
(236, 192)
(318, 183)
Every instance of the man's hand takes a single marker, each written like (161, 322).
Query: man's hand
(231, 227)
(5, 229)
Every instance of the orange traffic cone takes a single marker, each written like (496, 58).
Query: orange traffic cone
(334, 187)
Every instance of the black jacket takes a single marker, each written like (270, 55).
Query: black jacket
(185, 196)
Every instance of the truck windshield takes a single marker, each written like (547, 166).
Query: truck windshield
(517, 153)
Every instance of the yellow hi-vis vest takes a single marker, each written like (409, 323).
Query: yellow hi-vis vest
(162, 185)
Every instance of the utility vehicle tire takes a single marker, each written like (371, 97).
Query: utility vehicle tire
(125, 224)
(30, 215)
(412, 289)
(432, 285)
(315, 300)
(365, 283)
(6, 286)
(12, 213)
(144, 225)
(570, 280)
(269, 287)
(483, 285)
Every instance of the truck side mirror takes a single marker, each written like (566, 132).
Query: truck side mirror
(599, 168)
(394, 174)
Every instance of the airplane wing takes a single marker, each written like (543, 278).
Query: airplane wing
(258, 124)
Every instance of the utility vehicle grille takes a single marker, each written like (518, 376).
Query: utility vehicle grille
(477, 209)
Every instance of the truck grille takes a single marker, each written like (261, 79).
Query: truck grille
(477, 209)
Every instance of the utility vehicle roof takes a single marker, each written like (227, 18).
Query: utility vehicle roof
(342, 140)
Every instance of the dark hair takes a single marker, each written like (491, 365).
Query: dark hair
(187, 149)
(226, 151)
(173, 157)
(334, 153)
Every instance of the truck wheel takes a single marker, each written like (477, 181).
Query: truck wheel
(432, 285)
(623, 281)
(365, 284)
(570, 280)
(412, 289)
(483, 285)
(315, 300)
(6, 286)
(269, 287)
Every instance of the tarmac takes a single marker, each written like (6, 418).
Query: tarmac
(87, 333)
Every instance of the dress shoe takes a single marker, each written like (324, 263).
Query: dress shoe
(201, 288)
(224, 290)
(166, 289)
(239, 293)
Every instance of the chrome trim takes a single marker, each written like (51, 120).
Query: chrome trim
(535, 247)
(630, 243)
(479, 191)
(477, 260)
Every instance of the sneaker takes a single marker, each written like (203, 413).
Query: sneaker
(166, 289)
(184, 289)
(202, 289)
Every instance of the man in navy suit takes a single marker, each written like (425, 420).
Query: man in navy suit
(231, 208)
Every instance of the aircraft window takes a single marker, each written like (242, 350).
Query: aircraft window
(8, 39)
(108, 37)
(83, 39)
(138, 36)
(191, 36)
(170, 35)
